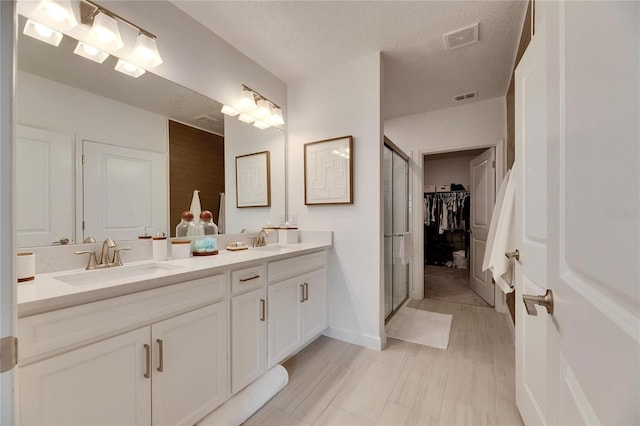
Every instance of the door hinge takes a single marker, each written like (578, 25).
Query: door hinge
(494, 164)
(82, 158)
(83, 225)
(8, 353)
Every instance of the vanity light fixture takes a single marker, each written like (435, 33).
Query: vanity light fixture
(146, 51)
(56, 13)
(105, 32)
(254, 108)
(247, 118)
(42, 32)
(129, 68)
(93, 53)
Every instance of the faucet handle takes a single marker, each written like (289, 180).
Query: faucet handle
(93, 263)
(117, 261)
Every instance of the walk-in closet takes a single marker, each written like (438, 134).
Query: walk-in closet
(458, 195)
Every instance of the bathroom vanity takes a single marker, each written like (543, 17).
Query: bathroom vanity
(164, 343)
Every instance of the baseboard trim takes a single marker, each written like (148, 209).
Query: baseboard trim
(367, 341)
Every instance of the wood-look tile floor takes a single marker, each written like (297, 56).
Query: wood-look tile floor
(470, 383)
(450, 285)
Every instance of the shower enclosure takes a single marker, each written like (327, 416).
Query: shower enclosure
(396, 225)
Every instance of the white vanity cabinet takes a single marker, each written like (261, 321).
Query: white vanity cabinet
(102, 383)
(248, 326)
(298, 305)
(173, 371)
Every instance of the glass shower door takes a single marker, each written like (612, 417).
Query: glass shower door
(396, 224)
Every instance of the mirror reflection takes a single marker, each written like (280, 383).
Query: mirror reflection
(101, 154)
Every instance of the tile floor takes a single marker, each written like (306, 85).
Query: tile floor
(470, 383)
(450, 285)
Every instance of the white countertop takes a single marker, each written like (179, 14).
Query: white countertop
(47, 293)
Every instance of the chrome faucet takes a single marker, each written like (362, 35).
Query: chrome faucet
(106, 245)
(259, 241)
(104, 260)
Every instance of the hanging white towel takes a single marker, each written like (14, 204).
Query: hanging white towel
(195, 206)
(501, 237)
(405, 248)
(221, 215)
(497, 208)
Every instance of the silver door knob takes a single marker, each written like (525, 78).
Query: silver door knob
(530, 301)
(513, 254)
(62, 241)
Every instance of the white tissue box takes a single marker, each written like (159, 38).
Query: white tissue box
(429, 188)
(444, 188)
(287, 236)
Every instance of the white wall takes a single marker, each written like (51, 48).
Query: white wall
(473, 125)
(342, 101)
(49, 105)
(440, 169)
(253, 140)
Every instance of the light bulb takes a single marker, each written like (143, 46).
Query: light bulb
(55, 11)
(42, 30)
(90, 50)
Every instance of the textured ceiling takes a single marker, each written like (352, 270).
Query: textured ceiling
(294, 39)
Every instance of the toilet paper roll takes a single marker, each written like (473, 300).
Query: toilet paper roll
(26, 266)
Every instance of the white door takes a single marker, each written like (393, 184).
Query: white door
(531, 224)
(248, 338)
(124, 190)
(285, 319)
(100, 384)
(44, 168)
(483, 197)
(189, 365)
(588, 350)
(314, 307)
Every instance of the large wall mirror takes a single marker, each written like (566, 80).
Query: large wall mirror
(94, 158)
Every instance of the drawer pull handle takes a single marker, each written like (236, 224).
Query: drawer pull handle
(302, 293)
(263, 309)
(244, 280)
(306, 291)
(161, 356)
(147, 373)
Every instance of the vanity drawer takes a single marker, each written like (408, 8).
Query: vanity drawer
(58, 331)
(247, 279)
(292, 267)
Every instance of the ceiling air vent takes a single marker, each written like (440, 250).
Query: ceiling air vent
(461, 37)
(464, 96)
(206, 119)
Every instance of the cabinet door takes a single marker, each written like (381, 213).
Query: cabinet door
(285, 319)
(248, 338)
(99, 384)
(314, 308)
(189, 365)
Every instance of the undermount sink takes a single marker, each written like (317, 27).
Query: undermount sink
(117, 273)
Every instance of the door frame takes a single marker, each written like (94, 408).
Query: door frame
(416, 187)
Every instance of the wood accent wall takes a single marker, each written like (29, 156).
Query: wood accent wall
(196, 161)
(525, 38)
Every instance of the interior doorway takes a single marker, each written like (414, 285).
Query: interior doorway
(458, 198)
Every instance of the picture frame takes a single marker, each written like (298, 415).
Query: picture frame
(328, 171)
(253, 180)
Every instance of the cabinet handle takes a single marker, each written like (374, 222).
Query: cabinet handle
(306, 291)
(263, 308)
(147, 373)
(161, 356)
(244, 280)
(302, 293)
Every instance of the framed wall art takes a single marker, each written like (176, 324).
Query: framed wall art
(328, 171)
(253, 180)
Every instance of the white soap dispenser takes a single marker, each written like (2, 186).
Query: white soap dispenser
(160, 246)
